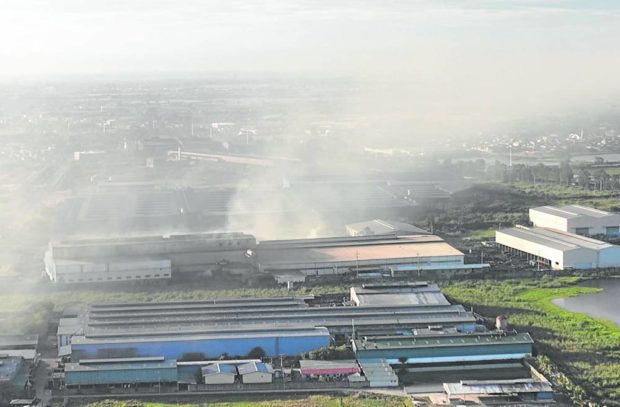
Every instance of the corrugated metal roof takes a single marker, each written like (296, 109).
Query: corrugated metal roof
(446, 340)
(381, 227)
(219, 368)
(573, 211)
(80, 367)
(555, 239)
(320, 367)
(497, 387)
(253, 367)
(9, 341)
(78, 340)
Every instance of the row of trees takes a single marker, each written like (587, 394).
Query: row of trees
(566, 174)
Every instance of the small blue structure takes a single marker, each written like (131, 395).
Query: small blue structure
(120, 371)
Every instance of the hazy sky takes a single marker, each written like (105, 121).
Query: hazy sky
(498, 54)
(420, 37)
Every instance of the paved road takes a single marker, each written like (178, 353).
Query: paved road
(40, 380)
(184, 394)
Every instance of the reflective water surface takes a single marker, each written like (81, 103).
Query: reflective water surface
(604, 304)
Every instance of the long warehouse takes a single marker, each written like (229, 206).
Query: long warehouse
(347, 254)
(99, 329)
(559, 250)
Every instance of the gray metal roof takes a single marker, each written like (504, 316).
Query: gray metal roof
(11, 341)
(573, 211)
(556, 239)
(496, 387)
(447, 340)
(253, 367)
(195, 336)
(382, 227)
(81, 367)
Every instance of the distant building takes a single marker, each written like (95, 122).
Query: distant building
(577, 219)
(352, 254)
(383, 227)
(143, 258)
(558, 250)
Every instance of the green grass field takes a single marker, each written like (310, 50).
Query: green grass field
(586, 349)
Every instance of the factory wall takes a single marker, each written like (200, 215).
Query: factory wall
(555, 256)
(129, 376)
(211, 348)
(545, 220)
(155, 245)
(593, 225)
(581, 259)
(112, 271)
(339, 267)
(449, 354)
(609, 257)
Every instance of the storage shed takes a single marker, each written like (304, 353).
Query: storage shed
(219, 373)
(255, 372)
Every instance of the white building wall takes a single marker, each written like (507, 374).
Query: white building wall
(545, 220)
(595, 225)
(609, 257)
(114, 271)
(580, 259)
(257, 377)
(219, 378)
(555, 256)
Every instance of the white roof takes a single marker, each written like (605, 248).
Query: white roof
(381, 227)
(573, 211)
(556, 239)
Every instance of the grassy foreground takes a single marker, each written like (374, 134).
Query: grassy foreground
(585, 349)
(311, 401)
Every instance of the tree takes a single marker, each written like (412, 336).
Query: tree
(257, 353)
(566, 173)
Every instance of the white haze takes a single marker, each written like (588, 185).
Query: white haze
(452, 65)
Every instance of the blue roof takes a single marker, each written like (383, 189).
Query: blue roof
(219, 368)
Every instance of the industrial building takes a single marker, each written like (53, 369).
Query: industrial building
(558, 250)
(20, 346)
(383, 227)
(255, 372)
(141, 329)
(497, 392)
(219, 373)
(353, 254)
(328, 367)
(273, 342)
(410, 324)
(443, 347)
(576, 219)
(14, 371)
(144, 258)
(378, 372)
(148, 370)
(415, 294)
